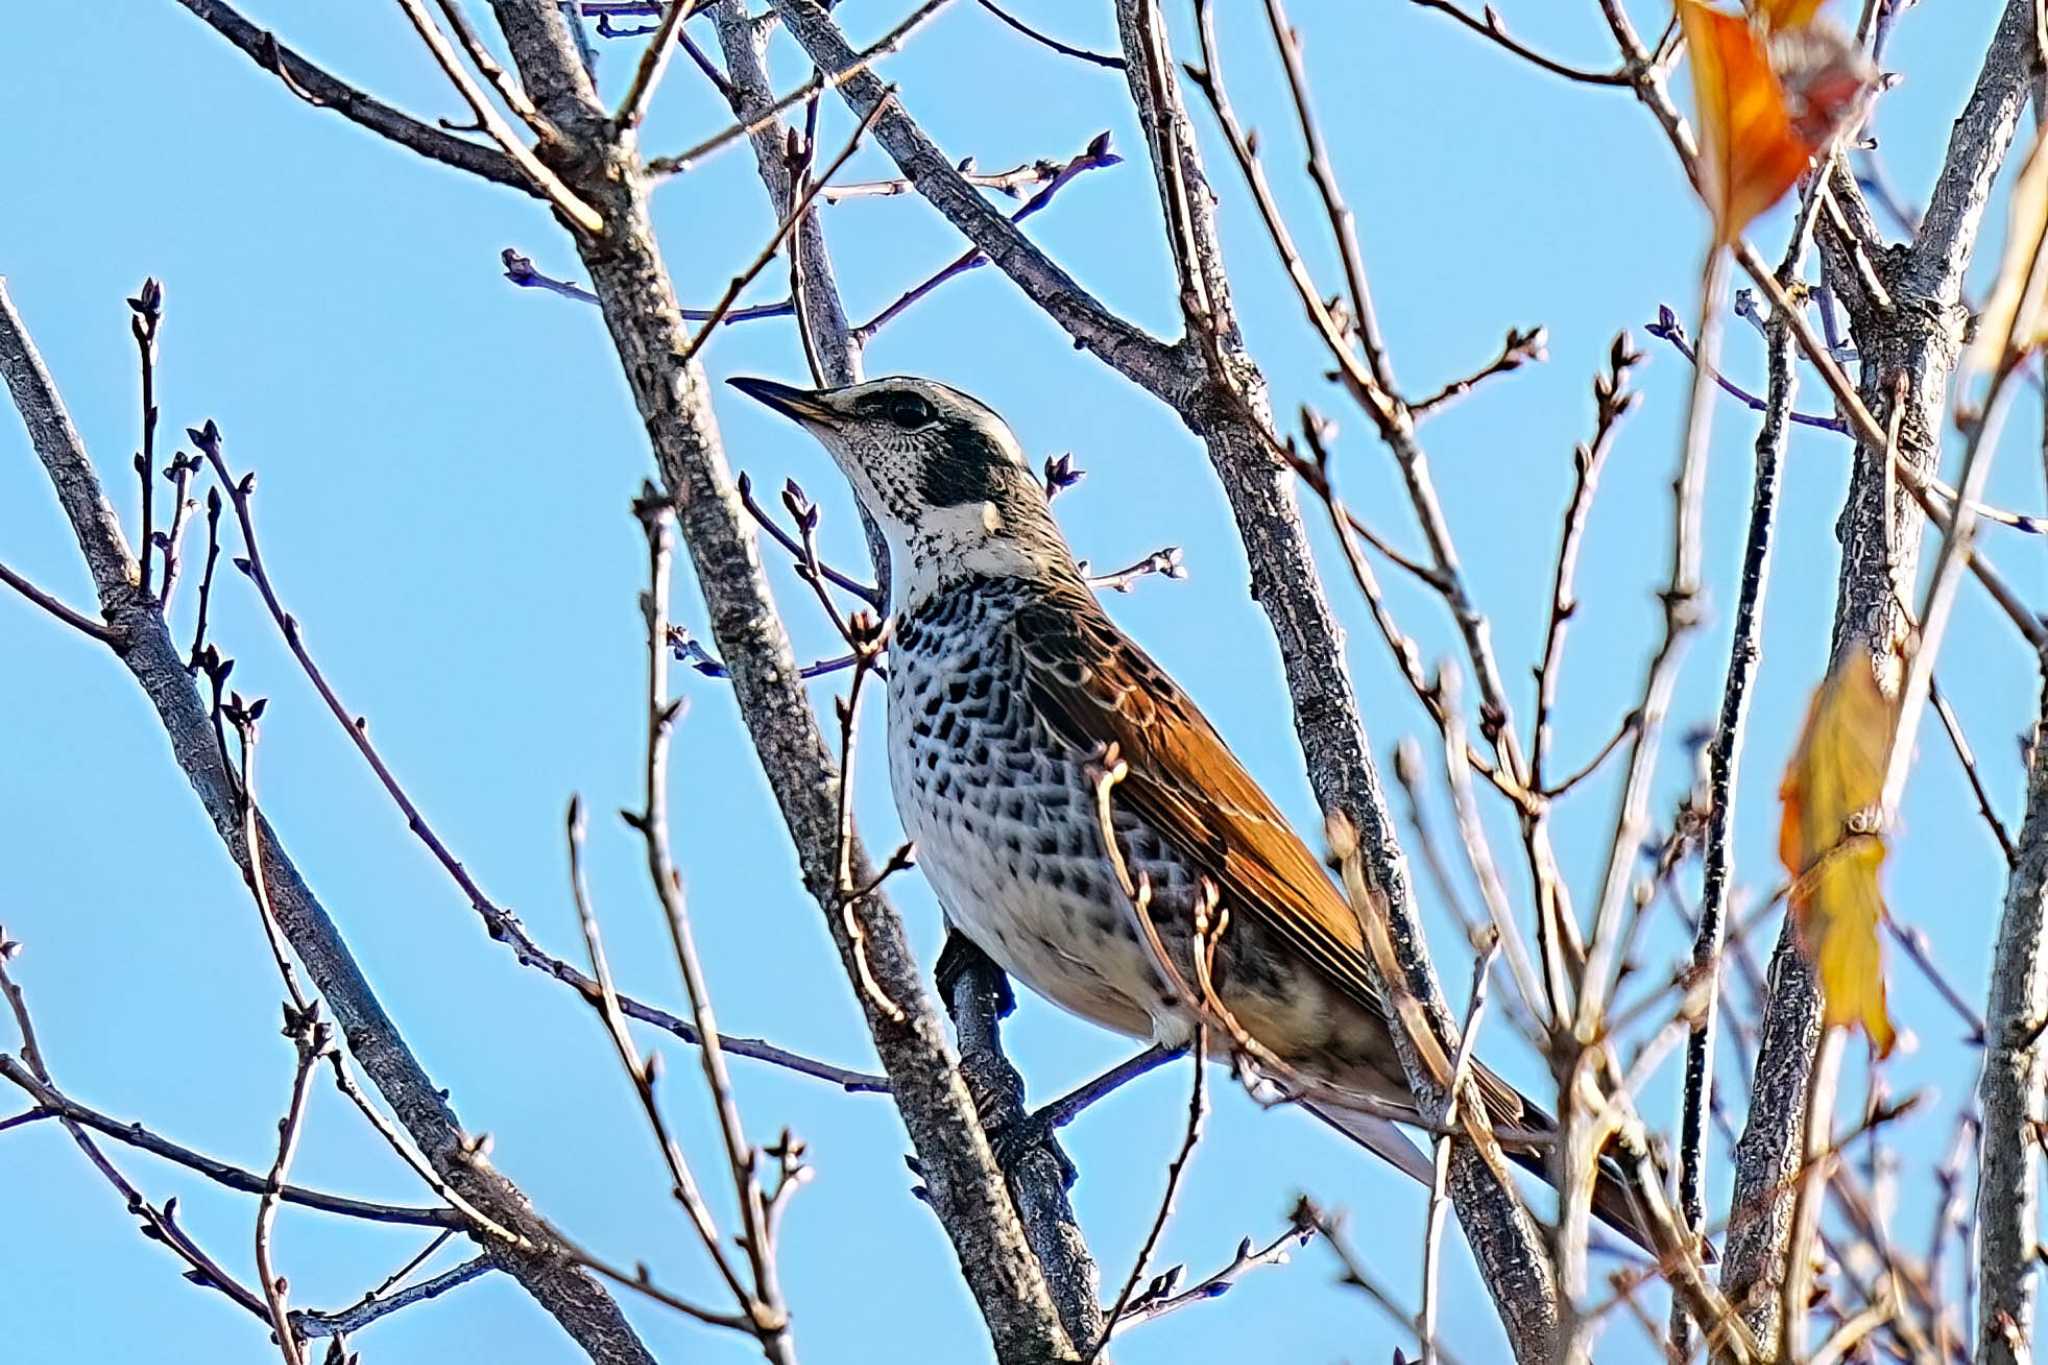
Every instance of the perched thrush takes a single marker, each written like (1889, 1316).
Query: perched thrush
(1006, 682)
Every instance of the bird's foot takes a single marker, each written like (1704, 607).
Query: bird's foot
(1017, 1141)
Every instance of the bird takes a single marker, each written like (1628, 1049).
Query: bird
(1009, 687)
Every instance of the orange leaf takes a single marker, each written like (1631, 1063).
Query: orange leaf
(1828, 841)
(1784, 14)
(1769, 95)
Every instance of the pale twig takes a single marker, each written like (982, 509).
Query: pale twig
(765, 1308)
(312, 1039)
(1356, 1272)
(1681, 616)
(1011, 182)
(1479, 856)
(868, 639)
(1520, 348)
(1806, 1207)
(783, 230)
(1343, 225)
(310, 1036)
(1439, 1190)
(654, 60)
(1612, 400)
(662, 166)
(1957, 550)
(544, 179)
(643, 1073)
(1166, 563)
(509, 90)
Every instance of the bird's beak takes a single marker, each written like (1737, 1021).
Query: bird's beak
(805, 405)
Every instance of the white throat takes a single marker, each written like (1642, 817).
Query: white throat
(952, 543)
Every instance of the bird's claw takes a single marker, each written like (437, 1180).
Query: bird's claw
(1016, 1142)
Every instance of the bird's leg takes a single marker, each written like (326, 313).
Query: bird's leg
(960, 957)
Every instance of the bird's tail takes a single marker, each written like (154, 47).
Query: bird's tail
(1617, 1200)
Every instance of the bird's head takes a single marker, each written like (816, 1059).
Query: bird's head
(940, 471)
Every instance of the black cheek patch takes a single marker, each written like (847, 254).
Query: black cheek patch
(969, 468)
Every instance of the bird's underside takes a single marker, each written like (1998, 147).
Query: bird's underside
(1002, 695)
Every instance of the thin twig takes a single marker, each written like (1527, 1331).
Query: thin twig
(765, 1308)
(1096, 156)
(1490, 28)
(355, 1318)
(662, 166)
(543, 178)
(1520, 348)
(1968, 758)
(1198, 1109)
(1681, 616)
(70, 616)
(1169, 1298)
(1724, 753)
(1010, 182)
(323, 90)
(643, 1073)
(782, 232)
(654, 60)
(509, 90)
(53, 1103)
(1047, 40)
(1439, 1190)
(147, 310)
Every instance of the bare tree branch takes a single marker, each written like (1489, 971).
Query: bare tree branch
(323, 91)
(2011, 1090)
(584, 1309)
(54, 1102)
(639, 305)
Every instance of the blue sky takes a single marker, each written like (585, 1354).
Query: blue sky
(446, 463)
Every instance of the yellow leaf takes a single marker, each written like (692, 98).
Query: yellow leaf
(2012, 318)
(1769, 94)
(1830, 843)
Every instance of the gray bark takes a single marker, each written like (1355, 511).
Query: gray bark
(1724, 755)
(1225, 410)
(626, 271)
(1915, 333)
(1037, 1176)
(2008, 1182)
(584, 1309)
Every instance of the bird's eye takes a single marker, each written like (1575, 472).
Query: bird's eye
(909, 411)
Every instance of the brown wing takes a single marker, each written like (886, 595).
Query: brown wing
(1093, 686)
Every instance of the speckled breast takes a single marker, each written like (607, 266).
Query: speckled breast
(1002, 812)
